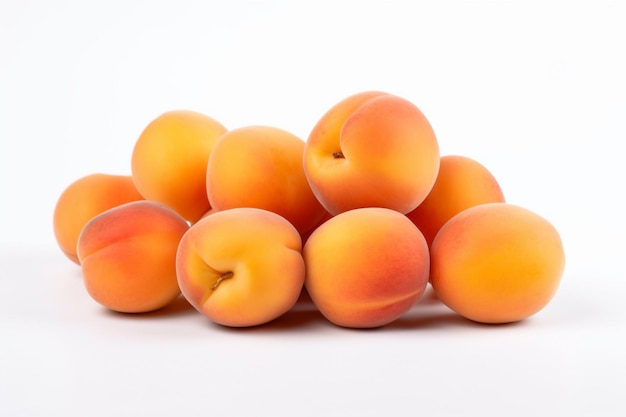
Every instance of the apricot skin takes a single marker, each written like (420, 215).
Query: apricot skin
(261, 167)
(462, 183)
(497, 263)
(366, 267)
(84, 199)
(259, 254)
(128, 256)
(170, 157)
(372, 149)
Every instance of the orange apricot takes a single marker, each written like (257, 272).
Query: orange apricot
(372, 149)
(462, 183)
(261, 167)
(496, 263)
(128, 256)
(241, 267)
(366, 267)
(84, 199)
(170, 157)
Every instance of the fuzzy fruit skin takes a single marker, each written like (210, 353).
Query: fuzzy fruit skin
(258, 255)
(128, 256)
(84, 199)
(170, 157)
(497, 263)
(462, 183)
(261, 166)
(366, 267)
(372, 149)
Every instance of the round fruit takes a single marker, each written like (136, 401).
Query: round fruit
(497, 263)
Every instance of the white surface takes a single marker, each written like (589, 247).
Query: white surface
(534, 90)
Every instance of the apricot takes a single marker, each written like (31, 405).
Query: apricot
(372, 149)
(366, 267)
(261, 167)
(170, 158)
(241, 267)
(462, 183)
(496, 263)
(128, 256)
(84, 199)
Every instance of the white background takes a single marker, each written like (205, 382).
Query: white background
(535, 91)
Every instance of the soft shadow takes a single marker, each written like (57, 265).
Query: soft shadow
(428, 314)
(302, 317)
(416, 320)
(425, 317)
(178, 308)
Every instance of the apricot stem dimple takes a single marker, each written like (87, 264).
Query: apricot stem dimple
(338, 155)
(221, 278)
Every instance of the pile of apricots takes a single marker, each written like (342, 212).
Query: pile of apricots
(361, 217)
